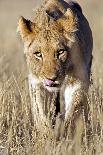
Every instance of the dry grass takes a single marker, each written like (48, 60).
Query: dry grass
(18, 132)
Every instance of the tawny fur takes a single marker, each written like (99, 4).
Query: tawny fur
(58, 25)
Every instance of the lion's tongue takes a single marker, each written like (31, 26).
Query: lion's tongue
(49, 83)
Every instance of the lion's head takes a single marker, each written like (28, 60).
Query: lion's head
(49, 42)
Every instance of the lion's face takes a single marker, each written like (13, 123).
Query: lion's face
(48, 58)
(48, 46)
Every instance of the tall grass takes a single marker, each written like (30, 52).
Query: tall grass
(18, 132)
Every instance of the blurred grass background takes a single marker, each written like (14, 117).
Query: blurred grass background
(14, 101)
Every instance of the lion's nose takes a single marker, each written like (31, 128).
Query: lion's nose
(50, 80)
(49, 83)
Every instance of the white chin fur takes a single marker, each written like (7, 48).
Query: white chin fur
(52, 89)
(34, 82)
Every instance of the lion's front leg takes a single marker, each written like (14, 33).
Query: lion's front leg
(77, 122)
(43, 102)
(75, 99)
(73, 96)
(74, 123)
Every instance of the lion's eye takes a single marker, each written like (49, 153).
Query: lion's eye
(38, 55)
(61, 52)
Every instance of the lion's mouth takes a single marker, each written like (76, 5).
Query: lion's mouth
(51, 83)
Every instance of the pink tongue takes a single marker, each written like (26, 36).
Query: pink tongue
(49, 83)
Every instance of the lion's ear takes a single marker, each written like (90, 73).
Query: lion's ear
(26, 28)
(68, 21)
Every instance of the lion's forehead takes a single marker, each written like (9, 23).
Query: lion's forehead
(50, 33)
(50, 36)
(48, 43)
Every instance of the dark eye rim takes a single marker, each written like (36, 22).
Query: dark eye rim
(61, 51)
(38, 54)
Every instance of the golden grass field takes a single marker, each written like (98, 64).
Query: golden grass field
(18, 133)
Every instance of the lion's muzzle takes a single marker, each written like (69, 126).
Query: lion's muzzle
(50, 83)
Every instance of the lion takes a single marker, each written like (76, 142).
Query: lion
(58, 47)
